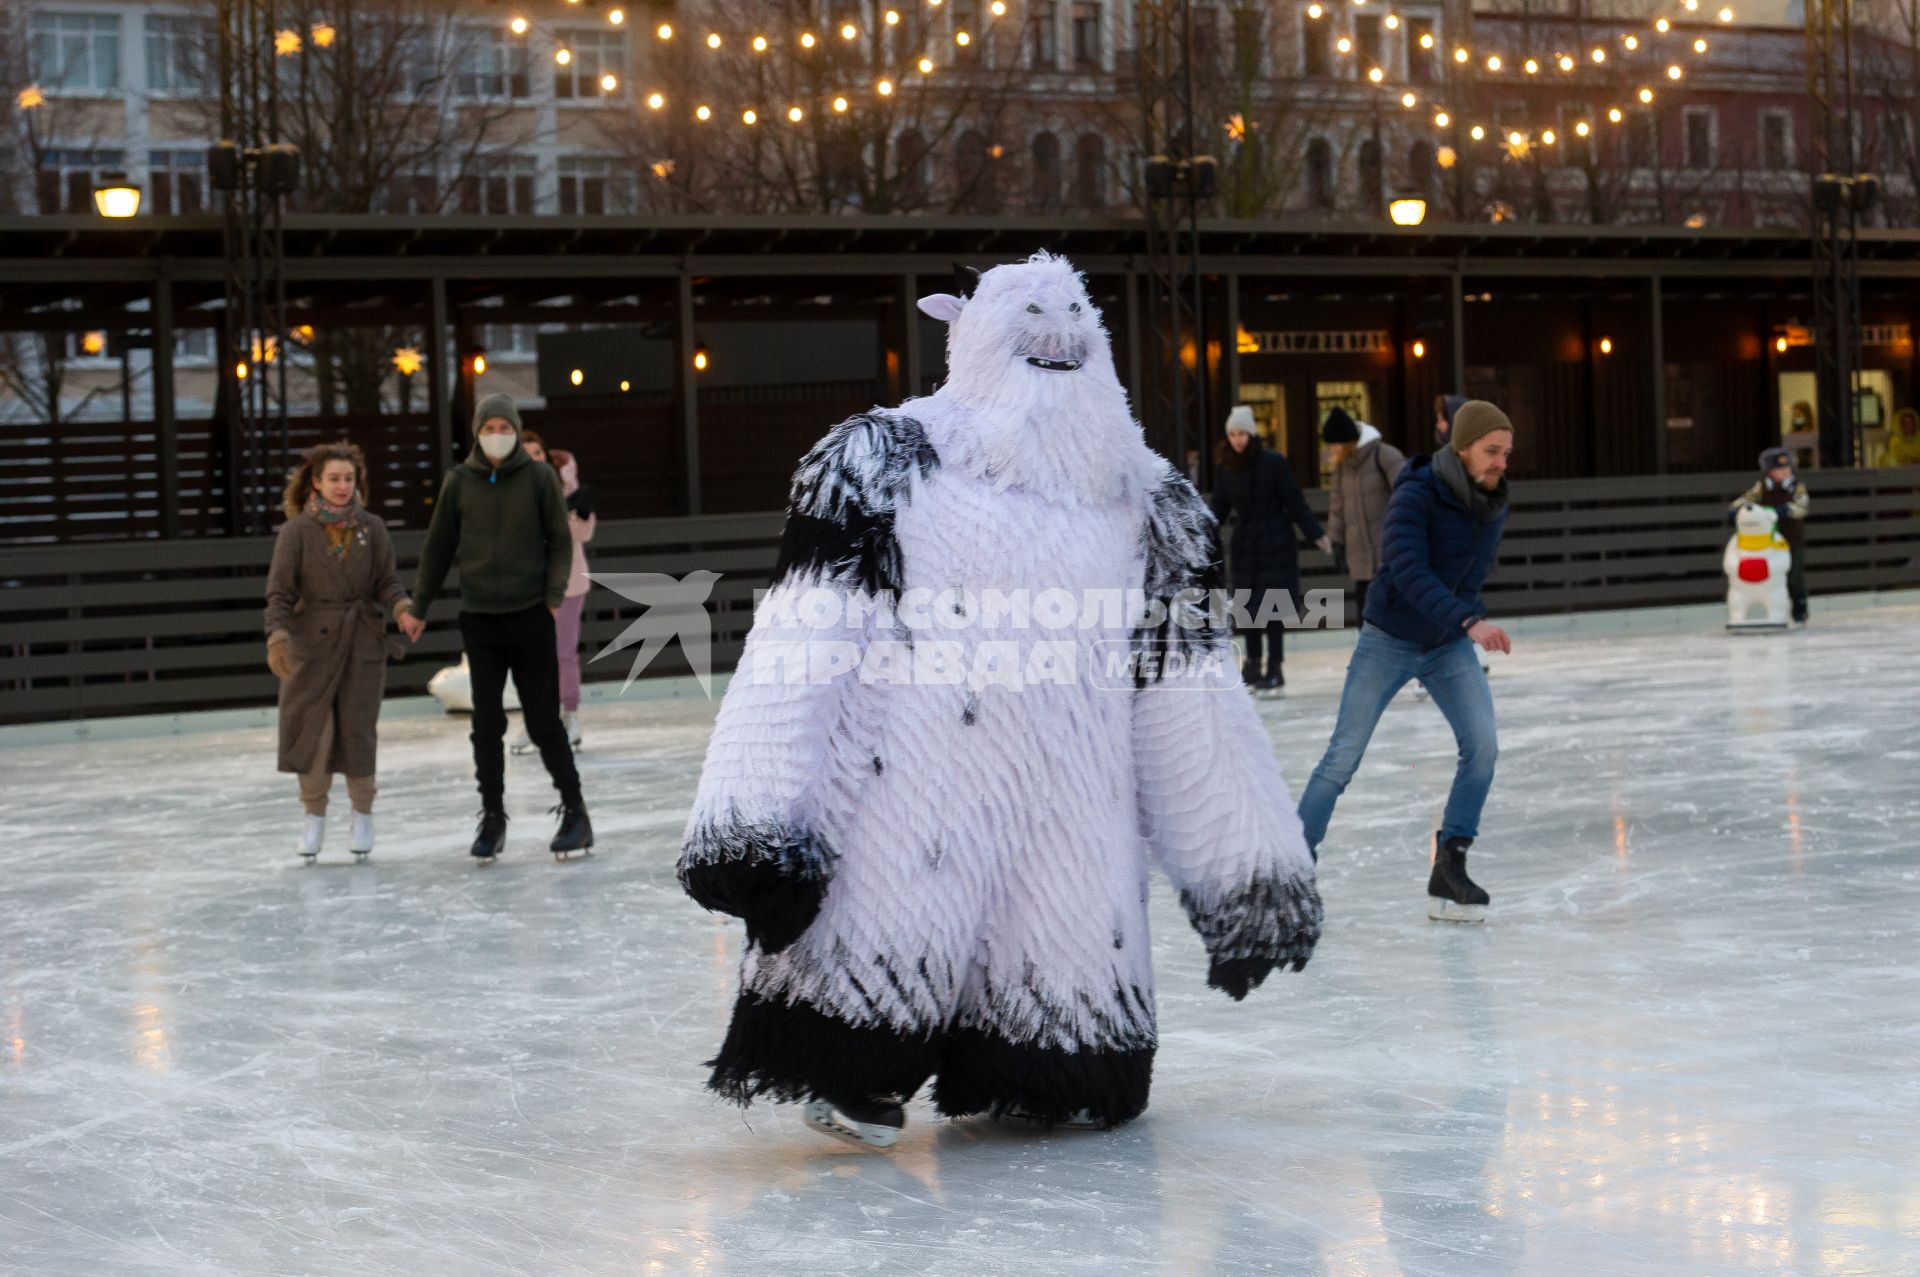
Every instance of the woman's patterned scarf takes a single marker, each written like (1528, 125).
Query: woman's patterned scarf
(341, 522)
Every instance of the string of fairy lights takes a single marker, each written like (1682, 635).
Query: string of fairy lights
(1613, 49)
(1639, 47)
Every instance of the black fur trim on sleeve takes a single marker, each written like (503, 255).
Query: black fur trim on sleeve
(845, 494)
(1267, 925)
(769, 875)
(1182, 574)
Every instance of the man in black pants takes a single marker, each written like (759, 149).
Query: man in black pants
(501, 517)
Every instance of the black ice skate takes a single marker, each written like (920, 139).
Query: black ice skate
(874, 1123)
(1451, 895)
(575, 832)
(1273, 685)
(491, 839)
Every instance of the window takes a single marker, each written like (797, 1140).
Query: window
(977, 173)
(75, 52)
(1316, 46)
(594, 184)
(595, 54)
(1206, 37)
(1700, 121)
(1640, 140)
(1090, 171)
(1423, 49)
(416, 192)
(508, 343)
(177, 52)
(176, 181)
(66, 178)
(1043, 35)
(1247, 24)
(966, 17)
(1369, 45)
(1085, 28)
(1420, 169)
(1044, 173)
(493, 64)
(193, 347)
(1776, 140)
(1372, 191)
(503, 184)
(1320, 175)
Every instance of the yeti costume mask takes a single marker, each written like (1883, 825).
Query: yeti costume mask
(947, 878)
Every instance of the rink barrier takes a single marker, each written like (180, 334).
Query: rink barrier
(102, 629)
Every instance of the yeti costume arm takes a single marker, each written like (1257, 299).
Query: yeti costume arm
(1213, 807)
(753, 846)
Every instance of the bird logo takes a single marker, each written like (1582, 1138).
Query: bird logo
(676, 608)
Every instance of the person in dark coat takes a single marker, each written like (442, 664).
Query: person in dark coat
(1424, 619)
(1256, 487)
(330, 589)
(1780, 489)
(501, 518)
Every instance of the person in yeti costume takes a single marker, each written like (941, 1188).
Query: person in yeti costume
(948, 880)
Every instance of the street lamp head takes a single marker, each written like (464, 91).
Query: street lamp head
(115, 196)
(1408, 210)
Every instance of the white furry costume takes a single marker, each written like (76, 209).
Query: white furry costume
(950, 881)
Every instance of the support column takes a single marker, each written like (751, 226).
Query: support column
(165, 423)
(1457, 336)
(437, 380)
(1657, 370)
(688, 383)
(910, 339)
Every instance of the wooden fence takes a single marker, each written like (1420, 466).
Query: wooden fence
(136, 627)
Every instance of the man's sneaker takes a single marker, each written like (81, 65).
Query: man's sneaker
(491, 839)
(1451, 895)
(874, 1123)
(575, 832)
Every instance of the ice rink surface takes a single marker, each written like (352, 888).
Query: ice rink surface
(1685, 1043)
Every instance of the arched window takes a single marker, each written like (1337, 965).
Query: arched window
(1043, 171)
(1372, 188)
(911, 159)
(1320, 175)
(1090, 172)
(1420, 171)
(977, 174)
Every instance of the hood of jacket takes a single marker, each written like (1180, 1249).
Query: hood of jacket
(1367, 435)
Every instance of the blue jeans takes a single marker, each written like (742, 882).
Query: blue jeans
(1381, 666)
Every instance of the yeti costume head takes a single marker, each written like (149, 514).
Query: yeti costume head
(1031, 398)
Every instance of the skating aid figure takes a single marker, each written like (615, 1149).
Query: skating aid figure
(949, 879)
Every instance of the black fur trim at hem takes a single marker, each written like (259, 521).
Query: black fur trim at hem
(794, 1051)
(982, 1072)
(772, 876)
(1267, 925)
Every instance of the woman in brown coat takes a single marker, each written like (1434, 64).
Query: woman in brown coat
(330, 591)
(1365, 468)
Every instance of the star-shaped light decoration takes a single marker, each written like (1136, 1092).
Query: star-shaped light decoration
(406, 361)
(1237, 127)
(286, 43)
(30, 97)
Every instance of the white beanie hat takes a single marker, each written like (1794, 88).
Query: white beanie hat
(1241, 419)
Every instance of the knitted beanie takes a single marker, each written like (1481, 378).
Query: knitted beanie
(1339, 428)
(1474, 420)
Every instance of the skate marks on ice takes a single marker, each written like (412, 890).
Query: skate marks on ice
(1682, 1043)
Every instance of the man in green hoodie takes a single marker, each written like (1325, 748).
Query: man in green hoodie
(502, 519)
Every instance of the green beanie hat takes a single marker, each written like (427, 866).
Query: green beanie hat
(1475, 419)
(496, 405)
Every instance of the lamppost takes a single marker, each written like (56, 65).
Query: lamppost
(115, 196)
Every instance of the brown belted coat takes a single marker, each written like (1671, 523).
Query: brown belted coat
(334, 609)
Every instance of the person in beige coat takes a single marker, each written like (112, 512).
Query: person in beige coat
(1365, 467)
(330, 591)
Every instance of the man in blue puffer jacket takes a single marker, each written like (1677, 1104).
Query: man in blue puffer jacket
(1423, 620)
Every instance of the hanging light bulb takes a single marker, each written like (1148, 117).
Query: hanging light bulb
(664, 31)
(1393, 22)
(848, 31)
(1477, 133)
(1547, 138)
(749, 116)
(1376, 75)
(962, 38)
(518, 26)
(656, 100)
(1460, 55)
(839, 104)
(1699, 46)
(609, 82)
(759, 44)
(1314, 12)
(1632, 42)
(1441, 119)
(1646, 96)
(713, 40)
(1662, 25)
(1692, 5)
(998, 8)
(1599, 55)
(926, 66)
(563, 56)
(1493, 62)
(1532, 67)
(892, 17)
(1516, 138)
(884, 88)
(1343, 45)
(1726, 15)
(1674, 72)
(616, 16)
(795, 114)
(703, 113)
(1582, 129)
(1613, 115)
(1408, 100)
(1426, 39)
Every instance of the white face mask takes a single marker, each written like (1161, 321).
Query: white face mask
(498, 447)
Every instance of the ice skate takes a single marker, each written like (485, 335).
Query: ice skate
(522, 743)
(312, 834)
(1250, 677)
(572, 719)
(575, 832)
(361, 841)
(872, 1123)
(1272, 687)
(1451, 895)
(1078, 1120)
(491, 839)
